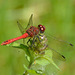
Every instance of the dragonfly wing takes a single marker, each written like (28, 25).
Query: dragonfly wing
(30, 23)
(57, 55)
(59, 40)
(58, 44)
(21, 30)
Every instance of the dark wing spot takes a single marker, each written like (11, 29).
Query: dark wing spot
(71, 44)
(63, 56)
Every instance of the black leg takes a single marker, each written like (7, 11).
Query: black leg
(38, 38)
(33, 41)
(28, 42)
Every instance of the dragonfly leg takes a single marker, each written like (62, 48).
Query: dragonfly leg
(33, 42)
(28, 42)
(39, 38)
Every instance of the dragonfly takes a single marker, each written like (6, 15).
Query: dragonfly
(33, 32)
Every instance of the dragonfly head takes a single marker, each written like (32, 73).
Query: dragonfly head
(41, 28)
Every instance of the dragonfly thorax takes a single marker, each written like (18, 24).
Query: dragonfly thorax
(32, 31)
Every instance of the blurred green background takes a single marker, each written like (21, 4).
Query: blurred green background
(57, 15)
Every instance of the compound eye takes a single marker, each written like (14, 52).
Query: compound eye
(40, 26)
(42, 29)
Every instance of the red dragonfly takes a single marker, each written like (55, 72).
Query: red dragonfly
(31, 32)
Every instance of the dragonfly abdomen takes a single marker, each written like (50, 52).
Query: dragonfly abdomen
(15, 39)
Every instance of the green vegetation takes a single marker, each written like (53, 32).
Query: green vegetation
(59, 18)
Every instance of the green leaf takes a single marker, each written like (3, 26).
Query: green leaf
(25, 67)
(46, 59)
(41, 60)
(20, 46)
(48, 55)
(32, 72)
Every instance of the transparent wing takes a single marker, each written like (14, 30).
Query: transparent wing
(53, 37)
(57, 55)
(20, 27)
(30, 23)
(22, 30)
(58, 44)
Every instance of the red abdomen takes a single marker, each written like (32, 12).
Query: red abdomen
(15, 39)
